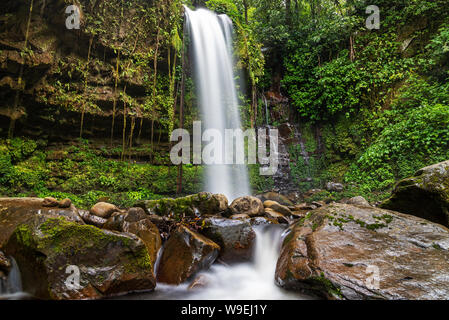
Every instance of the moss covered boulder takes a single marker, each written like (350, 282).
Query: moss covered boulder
(424, 195)
(203, 203)
(342, 251)
(235, 237)
(186, 252)
(51, 253)
(15, 211)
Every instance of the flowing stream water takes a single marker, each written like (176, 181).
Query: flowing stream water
(211, 53)
(11, 286)
(253, 280)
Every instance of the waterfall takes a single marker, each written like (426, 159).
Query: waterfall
(211, 37)
(12, 284)
(253, 280)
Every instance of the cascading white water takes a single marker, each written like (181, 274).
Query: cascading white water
(253, 280)
(11, 287)
(211, 53)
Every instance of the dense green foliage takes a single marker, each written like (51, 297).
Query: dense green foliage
(85, 175)
(372, 105)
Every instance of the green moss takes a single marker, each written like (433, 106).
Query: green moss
(323, 284)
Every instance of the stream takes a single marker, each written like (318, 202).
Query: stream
(245, 281)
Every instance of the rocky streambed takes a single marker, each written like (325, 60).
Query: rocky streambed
(348, 250)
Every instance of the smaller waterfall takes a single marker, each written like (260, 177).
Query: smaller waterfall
(245, 281)
(13, 283)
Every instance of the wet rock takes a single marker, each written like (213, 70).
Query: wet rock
(358, 201)
(277, 207)
(200, 282)
(335, 249)
(92, 220)
(240, 217)
(65, 203)
(263, 221)
(15, 211)
(335, 187)
(50, 202)
(103, 210)
(273, 196)
(251, 206)
(147, 232)
(115, 222)
(164, 224)
(5, 264)
(185, 253)
(279, 217)
(109, 263)
(203, 203)
(235, 237)
(424, 195)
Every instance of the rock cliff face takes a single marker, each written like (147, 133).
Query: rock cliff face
(50, 75)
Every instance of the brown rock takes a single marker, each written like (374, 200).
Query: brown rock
(251, 206)
(110, 263)
(305, 206)
(240, 217)
(147, 232)
(279, 217)
(263, 221)
(135, 214)
(358, 201)
(337, 248)
(199, 282)
(186, 252)
(103, 209)
(273, 196)
(15, 211)
(93, 220)
(66, 203)
(5, 264)
(277, 207)
(50, 202)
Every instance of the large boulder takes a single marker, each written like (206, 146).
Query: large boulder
(251, 206)
(15, 211)
(235, 237)
(351, 252)
(50, 250)
(424, 195)
(203, 203)
(185, 253)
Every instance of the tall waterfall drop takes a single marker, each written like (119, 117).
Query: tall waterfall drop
(211, 53)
